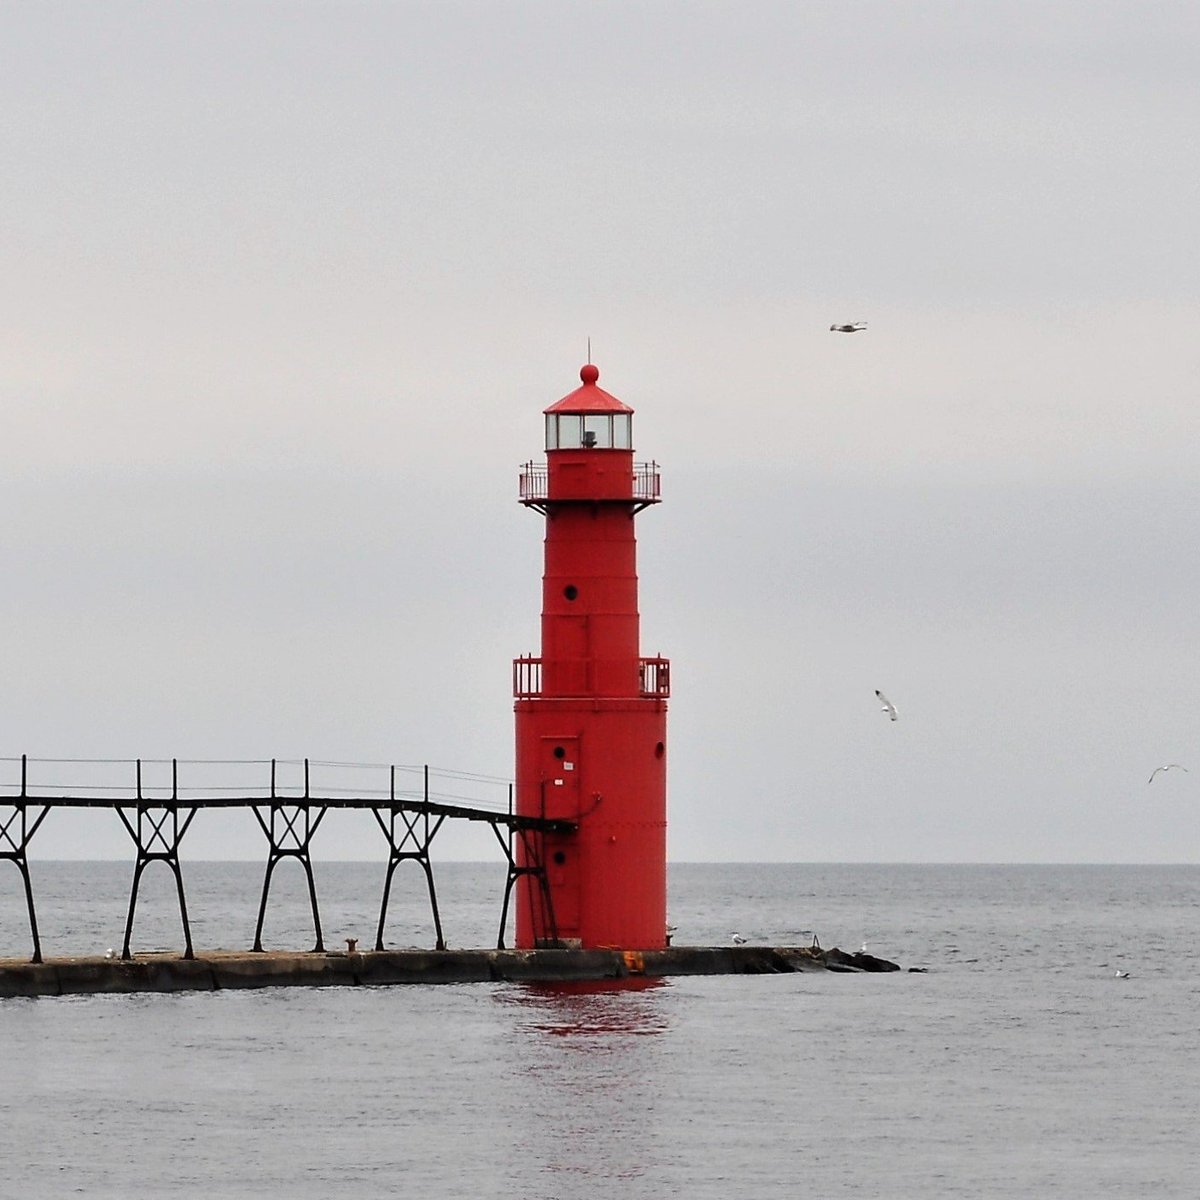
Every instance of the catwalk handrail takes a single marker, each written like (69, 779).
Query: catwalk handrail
(139, 791)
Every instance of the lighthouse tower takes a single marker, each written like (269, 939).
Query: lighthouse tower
(591, 711)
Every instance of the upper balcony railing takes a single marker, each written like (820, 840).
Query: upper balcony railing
(646, 483)
(535, 484)
(654, 677)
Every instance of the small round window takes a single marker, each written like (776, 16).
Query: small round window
(570, 591)
(560, 752)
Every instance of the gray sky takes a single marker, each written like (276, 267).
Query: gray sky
(286, 287)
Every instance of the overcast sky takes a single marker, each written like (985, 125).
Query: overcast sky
(285, 288)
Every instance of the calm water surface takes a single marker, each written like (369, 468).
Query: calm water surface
(1018, 1066)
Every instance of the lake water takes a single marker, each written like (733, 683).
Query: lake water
(1019, 1065)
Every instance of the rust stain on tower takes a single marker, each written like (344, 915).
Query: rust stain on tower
(591, 711)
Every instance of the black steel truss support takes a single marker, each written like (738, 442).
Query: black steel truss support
(289, 828)
(157, 831)
(532, 867)
(16, 832)
(420, 828)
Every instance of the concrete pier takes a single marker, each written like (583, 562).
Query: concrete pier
(214, 970)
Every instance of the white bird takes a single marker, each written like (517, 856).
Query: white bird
(853, 327)
(1167, 767)
(863, 948)
(738, 940)
(1122, 975)
(110, 953)
(887, 706)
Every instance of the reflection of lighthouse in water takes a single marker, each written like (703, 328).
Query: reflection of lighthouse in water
(591, 712)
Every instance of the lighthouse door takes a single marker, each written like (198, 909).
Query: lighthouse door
(560, 773)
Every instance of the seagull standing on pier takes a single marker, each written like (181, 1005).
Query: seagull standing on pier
(887, 706)
(738, 940)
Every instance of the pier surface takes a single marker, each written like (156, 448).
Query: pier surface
(215, 970)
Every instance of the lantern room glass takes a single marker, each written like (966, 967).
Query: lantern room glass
(589, 431)
(597, 431)
(570, 431)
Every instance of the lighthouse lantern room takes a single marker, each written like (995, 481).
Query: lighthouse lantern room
(591, 710)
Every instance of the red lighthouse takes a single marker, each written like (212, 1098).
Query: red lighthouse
(591, 711)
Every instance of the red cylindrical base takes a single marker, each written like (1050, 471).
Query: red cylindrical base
(601, 763)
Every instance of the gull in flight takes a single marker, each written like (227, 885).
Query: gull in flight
(853, 327)
(738, 940)
(1168, 767)
(887, 706)
(1122, 975)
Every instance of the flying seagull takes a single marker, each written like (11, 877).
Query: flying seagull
(1122, 975)
(887, 706)
(853, 327)
(1168, 767)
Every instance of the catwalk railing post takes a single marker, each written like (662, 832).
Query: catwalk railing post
(14, 846)
(294, 840)
(155, 843)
